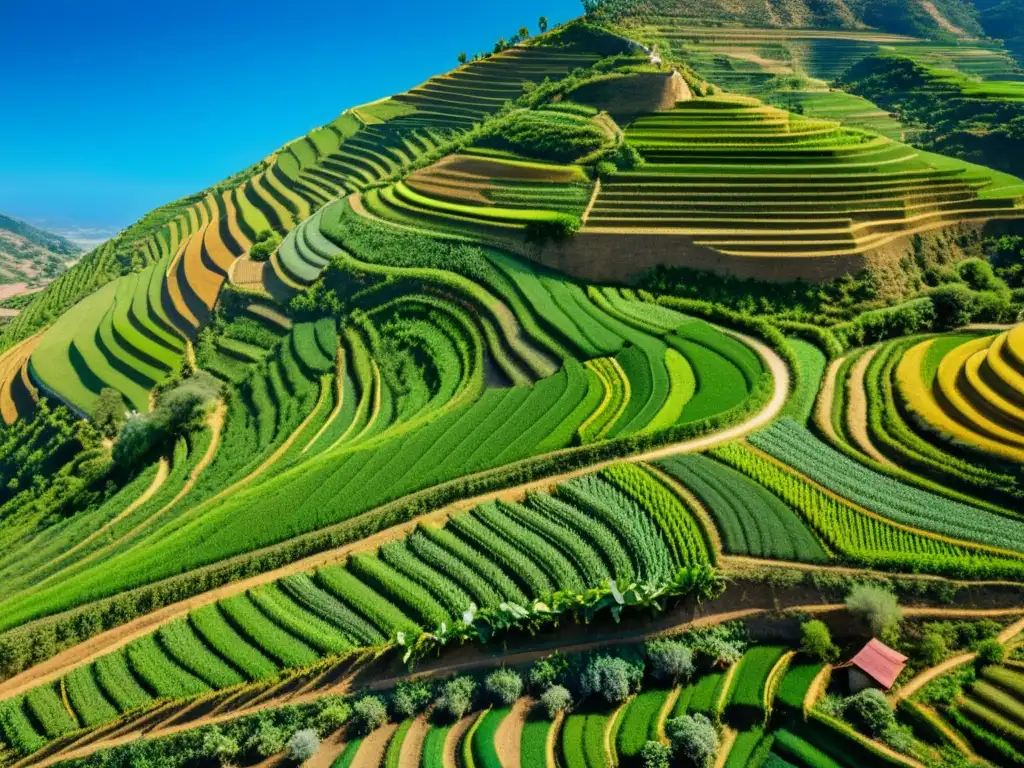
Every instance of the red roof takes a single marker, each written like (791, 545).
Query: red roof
(880, 662)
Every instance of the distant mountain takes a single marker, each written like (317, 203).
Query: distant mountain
(30, 257)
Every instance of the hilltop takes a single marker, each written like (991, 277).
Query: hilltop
(30, 257)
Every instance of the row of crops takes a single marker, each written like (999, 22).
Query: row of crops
(469, 195)
(622, 524)
(986, 712)
(795, 185)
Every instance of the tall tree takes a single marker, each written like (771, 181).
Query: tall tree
(542, 24)
(524, 33)
(462, 58)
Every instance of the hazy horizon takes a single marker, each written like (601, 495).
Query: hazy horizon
(119, 111)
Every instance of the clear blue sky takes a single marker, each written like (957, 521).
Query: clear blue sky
(113, 107)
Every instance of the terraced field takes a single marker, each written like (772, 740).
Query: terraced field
(970, 393)
(400, 433)
(795, 187)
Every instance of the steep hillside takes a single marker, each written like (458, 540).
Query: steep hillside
(927, 18)
(30, 257)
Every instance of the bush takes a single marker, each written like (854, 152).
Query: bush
(266, 741)
(556, 699)
(557, 230)
(991, 652)
(265, 245)
(954, 305)
(932, 648)
(816, 641)
(369, 714)
(410, 698)
(670, 661)
(504, 686)
(978, 274)
(694, 739)
(611, 678)
(869, 711)
(548, 671)
(457, 696)
(219, 747)
(303, 745)
(110, 413)
(656, 755)
(878, 607)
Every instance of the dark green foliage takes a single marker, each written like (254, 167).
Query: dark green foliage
(560, 137)
(816, 642)
(611, 678)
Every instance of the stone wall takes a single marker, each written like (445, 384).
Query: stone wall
(635, 94)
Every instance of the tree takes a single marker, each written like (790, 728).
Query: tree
(411, 698)
(556, 699)
(816, 641)
(671, 661)
(693, 738)
(457, 696)
(954, 305)
(370, 713)
(219, 746)
(542, 24)
(504, 686)
(878, 607)
(109, 414)
(656, 755)
(500, 45)
(611, 677)
(524, 33)
(463, 57)
(991, 651)
(303, 745)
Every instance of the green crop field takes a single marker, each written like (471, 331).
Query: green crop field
(517, 361)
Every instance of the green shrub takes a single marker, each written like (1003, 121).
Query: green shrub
(878, 607)
(556, 699)
(656, 755)
(548, 671)
(369, 713)
(457, 696)
(669, 661)
(303, 745)
(410, 698)
(504, 686)
(816, 641)
(869, 710)
(694, 738)
(612, 678)
(991, 652)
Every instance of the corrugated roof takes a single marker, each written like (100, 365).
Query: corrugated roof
(880, 662)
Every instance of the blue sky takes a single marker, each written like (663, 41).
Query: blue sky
(113, 107)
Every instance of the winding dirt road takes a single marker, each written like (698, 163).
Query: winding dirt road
(114, 639)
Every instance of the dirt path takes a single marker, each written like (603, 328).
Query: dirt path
(215, 422)
(371, 751)
(950, 664)
(857, 409)
(412, 746)
(454, 740)
(553, 734)
(508, 740)
(666, 710)
(163, 470)
(941, 20)
(330, 749)
(823, 406)
(118, 637)
(728, 739)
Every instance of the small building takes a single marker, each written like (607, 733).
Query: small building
(875, 666)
